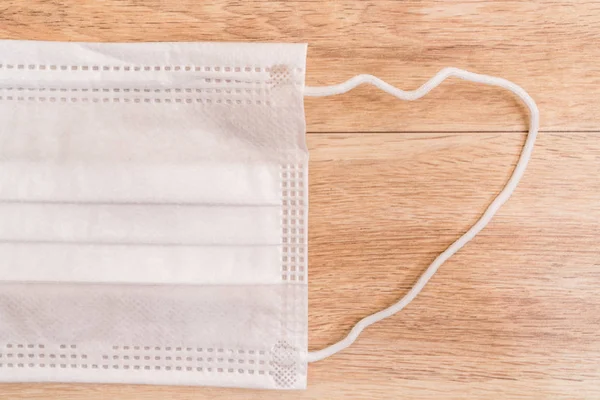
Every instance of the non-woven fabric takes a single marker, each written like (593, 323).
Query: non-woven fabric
(153, 213)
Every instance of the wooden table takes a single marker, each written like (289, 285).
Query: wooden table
(516, 314)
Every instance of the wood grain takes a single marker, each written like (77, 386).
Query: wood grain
(516, 313)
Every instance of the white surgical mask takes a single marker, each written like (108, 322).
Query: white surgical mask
(153, 212)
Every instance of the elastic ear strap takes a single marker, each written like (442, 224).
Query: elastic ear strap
(487, 216)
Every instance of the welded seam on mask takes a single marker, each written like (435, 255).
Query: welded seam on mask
(210, 90)
(130, 244)
(136, 357)
(137, 68)
(136, 100)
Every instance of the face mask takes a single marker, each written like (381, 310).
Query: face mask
(153, 212)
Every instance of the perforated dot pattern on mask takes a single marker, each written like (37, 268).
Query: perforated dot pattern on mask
(146, 358)
(293, 268)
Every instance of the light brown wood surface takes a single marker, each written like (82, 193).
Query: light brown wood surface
(514, 315)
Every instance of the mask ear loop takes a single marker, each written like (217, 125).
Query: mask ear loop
(487, 216)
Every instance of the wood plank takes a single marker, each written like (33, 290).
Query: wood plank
(549, 47)
(513, 315)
